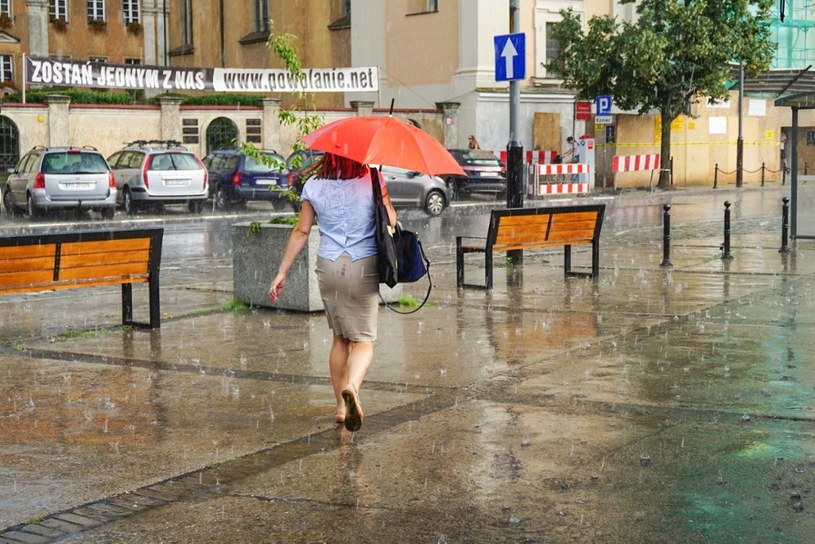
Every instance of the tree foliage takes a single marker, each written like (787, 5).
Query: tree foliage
(676, 53)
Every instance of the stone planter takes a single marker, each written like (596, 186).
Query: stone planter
(256, 257)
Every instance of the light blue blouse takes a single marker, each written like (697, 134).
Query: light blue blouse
(345, 216)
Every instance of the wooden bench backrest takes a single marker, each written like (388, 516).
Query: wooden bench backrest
(524, 228)
(61, 261)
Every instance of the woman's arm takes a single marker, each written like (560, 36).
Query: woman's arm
(298, 238)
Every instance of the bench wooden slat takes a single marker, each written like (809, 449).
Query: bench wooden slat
(115, 270)
(33, 264)
(104, 246)
(12, 280)
(22, 252)
(116, 257)
(35, 287)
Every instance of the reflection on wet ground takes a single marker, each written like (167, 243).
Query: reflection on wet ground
(648, 405)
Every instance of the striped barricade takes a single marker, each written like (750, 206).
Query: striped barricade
(561, 188)
(634, 163)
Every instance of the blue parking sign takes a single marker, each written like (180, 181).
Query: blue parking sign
(510, 57)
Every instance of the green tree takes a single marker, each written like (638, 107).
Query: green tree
(676, 53)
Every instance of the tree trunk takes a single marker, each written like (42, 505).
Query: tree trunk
(665, 154)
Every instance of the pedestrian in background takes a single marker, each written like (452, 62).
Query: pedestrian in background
(472, 143)
(340, 196)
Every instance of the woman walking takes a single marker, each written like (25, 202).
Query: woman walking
(340, 196)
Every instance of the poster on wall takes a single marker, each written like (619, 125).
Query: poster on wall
(174, 79)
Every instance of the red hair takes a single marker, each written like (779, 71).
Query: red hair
(336, 167)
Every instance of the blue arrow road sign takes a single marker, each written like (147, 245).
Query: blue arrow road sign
(510, 57)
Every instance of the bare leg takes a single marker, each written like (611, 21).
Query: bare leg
(360, 356)
(338, 367)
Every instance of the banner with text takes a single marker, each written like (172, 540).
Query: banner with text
(165, 78)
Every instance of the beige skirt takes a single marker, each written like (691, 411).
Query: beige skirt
(350, 293)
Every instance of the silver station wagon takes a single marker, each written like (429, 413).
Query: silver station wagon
(159, 172)
(60, 178)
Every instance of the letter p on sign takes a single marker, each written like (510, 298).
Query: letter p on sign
(603, 105)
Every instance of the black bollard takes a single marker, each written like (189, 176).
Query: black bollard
(666, 237)
(716, 175)
(785, 224)
(762, 174)
(726, 246)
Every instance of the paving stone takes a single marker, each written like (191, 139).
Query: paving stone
(79, 520)
(26, 537)
(44, 531)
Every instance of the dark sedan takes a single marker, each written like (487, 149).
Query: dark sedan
(486, 174)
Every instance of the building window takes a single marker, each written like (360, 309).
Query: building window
(416, 7)
(553, 48)
(5, 7)
(186, 22)
(343, 19)
(132, 61)
(98, 59)
(130, 11)
(6, 68)
(58, 9)
(262, 16)
(96, 10)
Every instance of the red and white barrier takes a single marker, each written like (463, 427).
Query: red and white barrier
(535, 156)
(563, 188)
(632, 163)
(562, 169)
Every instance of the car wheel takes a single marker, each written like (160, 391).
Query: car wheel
(221, 199)
(434, 203)
(195, 206)
(33, 211)
(8, 202)
(127, 202)
(280, 204)
(107, 213)
(451, 185)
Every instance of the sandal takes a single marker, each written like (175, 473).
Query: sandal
(353, 410)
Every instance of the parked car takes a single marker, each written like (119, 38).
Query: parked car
(486, 174)
(406, 188)
(59, 178)
(236, 177)
(159, 172)
(413, 189)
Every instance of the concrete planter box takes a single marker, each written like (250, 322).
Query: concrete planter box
(256, 257)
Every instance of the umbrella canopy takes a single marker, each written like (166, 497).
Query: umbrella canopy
(384, 140)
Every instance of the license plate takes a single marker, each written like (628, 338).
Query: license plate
(79, 186)
(489, 174)
(265, 182)
(177, 182)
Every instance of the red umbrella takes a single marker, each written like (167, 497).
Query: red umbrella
(384, 140)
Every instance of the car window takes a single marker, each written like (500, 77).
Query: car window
(184, 161)
(77, 163)
(133, 159)
(113, 160)
(231, 163)
(480, 157)
(53, 163)
(27, 162)
(251, 165)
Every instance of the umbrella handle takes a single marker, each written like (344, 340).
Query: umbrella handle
(391, 110)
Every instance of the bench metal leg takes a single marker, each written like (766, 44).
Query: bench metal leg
(127, 304)
(155, 307)
(595, 257)
(567, 260)
(488, 269)
(459, 264)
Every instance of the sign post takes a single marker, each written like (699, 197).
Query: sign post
(510, 65)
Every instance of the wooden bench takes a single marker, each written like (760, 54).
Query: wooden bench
(44, 262)
(532, 228)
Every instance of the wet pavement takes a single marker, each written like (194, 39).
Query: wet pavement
(652, 404)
